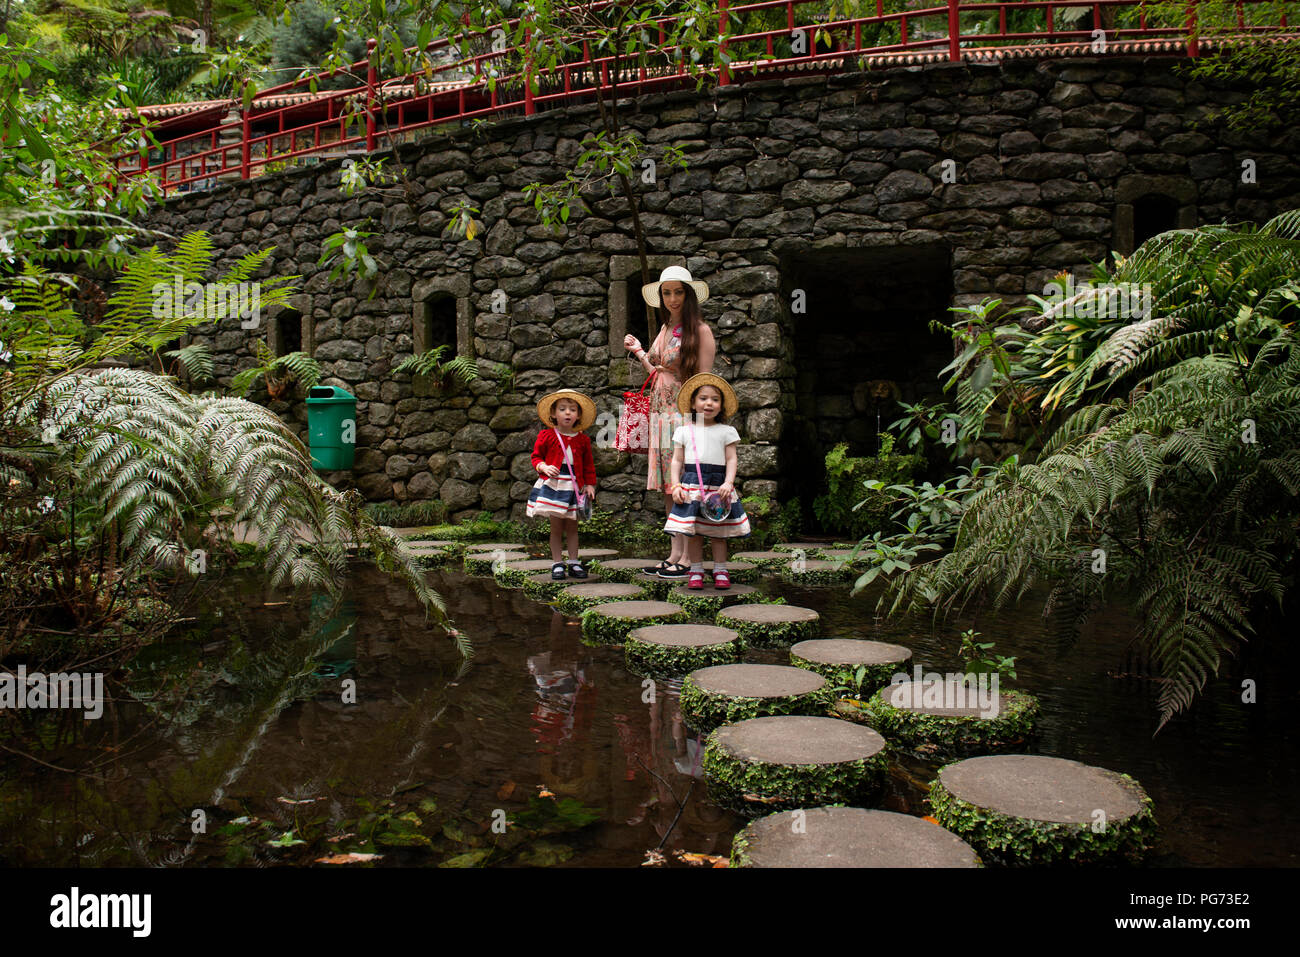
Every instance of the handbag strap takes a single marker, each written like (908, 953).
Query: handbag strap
(568, 460)
(698, 475)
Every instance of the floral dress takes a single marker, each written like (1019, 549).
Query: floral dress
(664, 417)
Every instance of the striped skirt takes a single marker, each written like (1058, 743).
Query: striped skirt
(554, 497)
(689, 519)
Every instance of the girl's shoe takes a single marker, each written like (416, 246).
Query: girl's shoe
(577, 571)
(557, 572)
(696, 581)
(675, 571)
(655, 569)
(721, 579)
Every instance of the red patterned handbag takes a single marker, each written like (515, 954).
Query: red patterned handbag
(633, 433)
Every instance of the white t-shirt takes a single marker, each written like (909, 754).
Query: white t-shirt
(711, 440)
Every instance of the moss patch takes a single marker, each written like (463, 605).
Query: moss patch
(757, 787)
(1018, 841)
(480, 563)
(665, 661)
(770, 634)
(598, 629)
(874, 677)
(575, 605)
(818, 573)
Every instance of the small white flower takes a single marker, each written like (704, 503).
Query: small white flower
(47, 505)
(6, 251)
(5, 354)
(5, 304)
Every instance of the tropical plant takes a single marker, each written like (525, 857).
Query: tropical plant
(280, 372)
(979, 658)
(457, 369)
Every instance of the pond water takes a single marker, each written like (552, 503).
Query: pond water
(245, 722)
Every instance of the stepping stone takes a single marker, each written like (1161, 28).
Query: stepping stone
(575, 599)
(809, 549)
(857, 556)
(541, 587)
(737, 571)
(412, 532)
(938, 717)
(815, 572)
(433, 552)
(848, 837)
(791, 761)
(707, 602)
(671, 651)
(770, 626)
(656, 586)
(764, 560)
(596, 554)
(494, 546)
(727, 693)
(838, 660)
(485, 563)
(1025, 809)
(609, 623)
(514, 574)
(622, 569)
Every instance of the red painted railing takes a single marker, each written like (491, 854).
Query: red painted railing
(358, 119)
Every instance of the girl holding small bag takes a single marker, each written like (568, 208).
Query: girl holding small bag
(685, 346)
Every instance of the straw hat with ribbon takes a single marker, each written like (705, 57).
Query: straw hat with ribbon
(586, 416)
(650, 291)
(729, 401)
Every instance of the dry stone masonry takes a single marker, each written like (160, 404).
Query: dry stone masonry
(833, 219)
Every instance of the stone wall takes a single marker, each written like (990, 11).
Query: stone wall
(833, 218)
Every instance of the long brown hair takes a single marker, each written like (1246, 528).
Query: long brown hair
(692, 319)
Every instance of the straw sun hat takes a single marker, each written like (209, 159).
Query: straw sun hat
(586, 416)
(729, 401)
(650, 291)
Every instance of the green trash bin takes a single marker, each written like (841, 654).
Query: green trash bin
(331, 427)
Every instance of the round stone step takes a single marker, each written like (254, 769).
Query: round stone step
(771, 626)
(949, 716)
(495, 546)
(848, 837)
(789, 761)
(432, 551)
(809, 549)
(621, 569)
(575, 599)
(514, 574)
(656, 586)
(485, 563)
(838, 660)
(764, 560)
(598, 554)
(670, 651)
(1028, 809)
(746, 572)
(542, 587)
(728, 693)
(817, 572)
(609, 624)
(708, 601)
(853, 556)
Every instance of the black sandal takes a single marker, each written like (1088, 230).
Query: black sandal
(656, 569)
(675, 571)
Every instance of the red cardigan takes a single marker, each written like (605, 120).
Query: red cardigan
(548, 450)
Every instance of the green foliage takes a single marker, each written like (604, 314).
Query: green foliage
(461, 369)
(280, 372)
(349, 257)
(979, 658)
(599, 628)
(409, 514)
(703, 710)
(771, 522)
(931, 734)
(667, 662)
(845, 508)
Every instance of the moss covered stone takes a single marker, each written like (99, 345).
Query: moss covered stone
(670, 651)
(599, 554)
(790, 761)
(746, 572)
(765, 561)
(575, 599)
(706, 603)
(771, 626)
(621, 569)
(848, 837)
(809, 549)
(433, 551)
(495, 546)
(816, 572)
(656, 586)
(727, 693)
(855, 557)
(838, 660)
(609, 624)
(514, 574)
(482, 563)
(1023, 809)
(922, 727)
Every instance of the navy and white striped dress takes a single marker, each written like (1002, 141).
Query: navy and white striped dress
(689, 519)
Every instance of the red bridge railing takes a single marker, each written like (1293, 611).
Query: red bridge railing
(288, 124)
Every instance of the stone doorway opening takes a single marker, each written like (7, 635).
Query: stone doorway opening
(862, 344)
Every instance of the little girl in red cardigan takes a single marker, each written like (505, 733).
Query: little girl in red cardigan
(562, 457)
